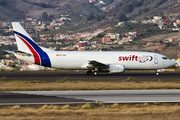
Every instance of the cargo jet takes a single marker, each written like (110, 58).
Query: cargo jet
(92, 61)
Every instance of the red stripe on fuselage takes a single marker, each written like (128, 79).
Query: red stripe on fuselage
(36, 55)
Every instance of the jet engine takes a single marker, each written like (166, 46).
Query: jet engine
(116, 68)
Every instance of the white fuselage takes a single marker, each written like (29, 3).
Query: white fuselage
(93, 61)
(79, 59)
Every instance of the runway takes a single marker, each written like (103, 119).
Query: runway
(80, 97)
(52, 76)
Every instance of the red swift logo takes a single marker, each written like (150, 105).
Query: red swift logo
(136, 58)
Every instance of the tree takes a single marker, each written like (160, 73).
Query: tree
(51, 17)
(122, 17)
(145, 10)
(90, 17)
(100, 17)
(160, 3)
(3, 2)
(137, 3)
(43, 5)
(100, 35)
(129, 8)
(45, 16)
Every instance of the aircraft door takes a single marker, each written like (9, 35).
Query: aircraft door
(155, 59)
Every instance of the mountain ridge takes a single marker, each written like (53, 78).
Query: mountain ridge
(20, 9)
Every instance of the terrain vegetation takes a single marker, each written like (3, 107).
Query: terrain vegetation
(26, 81)
(72, 80)
(123, 9)
(99, 111)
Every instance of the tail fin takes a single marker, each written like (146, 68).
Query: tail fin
(24, 40)
(21, 36)
(26, 45)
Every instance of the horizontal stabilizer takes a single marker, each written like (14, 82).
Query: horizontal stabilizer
(22, 53)
(8, 51)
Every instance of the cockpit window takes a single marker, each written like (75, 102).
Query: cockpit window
(165, 58)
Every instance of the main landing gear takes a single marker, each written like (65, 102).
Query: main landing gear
(90, 72)
(157, 72)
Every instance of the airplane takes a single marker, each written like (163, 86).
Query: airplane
(92, 61)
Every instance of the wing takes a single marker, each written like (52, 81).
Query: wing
(95, 64)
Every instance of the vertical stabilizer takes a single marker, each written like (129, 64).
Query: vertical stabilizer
(26, 45)
(24, 40)
(21, 36)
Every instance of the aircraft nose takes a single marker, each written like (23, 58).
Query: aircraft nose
(172, 63)
(169, 63)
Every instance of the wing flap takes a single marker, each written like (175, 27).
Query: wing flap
(96, 64)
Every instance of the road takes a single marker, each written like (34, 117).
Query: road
(80, 97)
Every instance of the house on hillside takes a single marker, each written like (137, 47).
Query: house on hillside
(106, 40)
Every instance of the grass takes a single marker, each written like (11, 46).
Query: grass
(98, 111)
(66, 29)
(92, 112)
(82, 85)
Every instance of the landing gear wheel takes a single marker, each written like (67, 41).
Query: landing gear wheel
(157, 73)
(89, 72)
(95, 73)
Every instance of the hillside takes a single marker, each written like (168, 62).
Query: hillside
(138, 9)
(171, 51)
(115, 9)
(18, 9)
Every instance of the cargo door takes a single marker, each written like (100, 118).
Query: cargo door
(155, 59)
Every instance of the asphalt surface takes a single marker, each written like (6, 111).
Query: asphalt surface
(15, 98)
(80, 97)
(52, 76)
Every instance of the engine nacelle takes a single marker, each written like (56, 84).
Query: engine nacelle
(116, 68)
